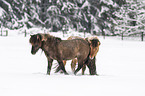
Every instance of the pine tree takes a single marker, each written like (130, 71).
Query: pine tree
(93, 16)
(131, 18)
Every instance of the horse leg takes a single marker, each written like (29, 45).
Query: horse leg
(61, 65)
(64, 62)
(83, 69)
(59, 68)
(80, 65)
(49, 66)
(92, 67)
(73, 64)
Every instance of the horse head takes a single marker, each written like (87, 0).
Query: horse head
(36, 42)
(94, 45)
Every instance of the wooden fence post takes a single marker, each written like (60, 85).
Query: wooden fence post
(63, 33)
(6, 32)
(122, 36)
(103, 33)
(25, 33)
(84, 32)
(1, 32)
(142, 36)
(63, 30)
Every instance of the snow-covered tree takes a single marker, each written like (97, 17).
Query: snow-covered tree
(94, 16)
(131, 18)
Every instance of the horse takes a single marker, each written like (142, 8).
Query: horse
(57, 49)
(94, 46)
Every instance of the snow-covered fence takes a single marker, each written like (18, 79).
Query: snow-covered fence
(64, 30)
(4, 33)
(135, 35)
(142, 34)
(23, 32)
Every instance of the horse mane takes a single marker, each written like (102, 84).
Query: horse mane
(39, 36)
(34, 38)
(51, 42)
(74, 37)
(95, 42)
(45, 36)
(54, 39)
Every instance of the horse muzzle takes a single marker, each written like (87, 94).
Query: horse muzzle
(91, 57)
(33, 53)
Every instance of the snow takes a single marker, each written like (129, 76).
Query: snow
(86, 3)
(103, 9)
(54, 9)
(136, 8)
(9, 6)
(120, 65)
(1, 12)
(109, 2)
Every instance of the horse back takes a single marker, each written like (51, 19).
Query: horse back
(70, 49)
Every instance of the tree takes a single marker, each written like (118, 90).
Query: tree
(93, 16)
(131, 18)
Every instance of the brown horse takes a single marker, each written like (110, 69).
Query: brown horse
(94, 46)
(55, 48)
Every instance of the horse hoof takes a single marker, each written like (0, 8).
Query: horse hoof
(97, 74)
(94, 74)
(75, 73)
(66, 74)
(48, 74)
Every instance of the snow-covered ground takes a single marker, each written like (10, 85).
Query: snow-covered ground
(120, 65)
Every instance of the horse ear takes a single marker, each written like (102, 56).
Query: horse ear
(58, 39)
(31, 35)
(87, 40)
(90, 42)
(44, 38)
(95, 42)
(38, 37)
(99, 42)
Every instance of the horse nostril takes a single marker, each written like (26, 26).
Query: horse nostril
(33, 53)
(91, 57)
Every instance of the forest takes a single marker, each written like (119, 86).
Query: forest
(99, 17)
